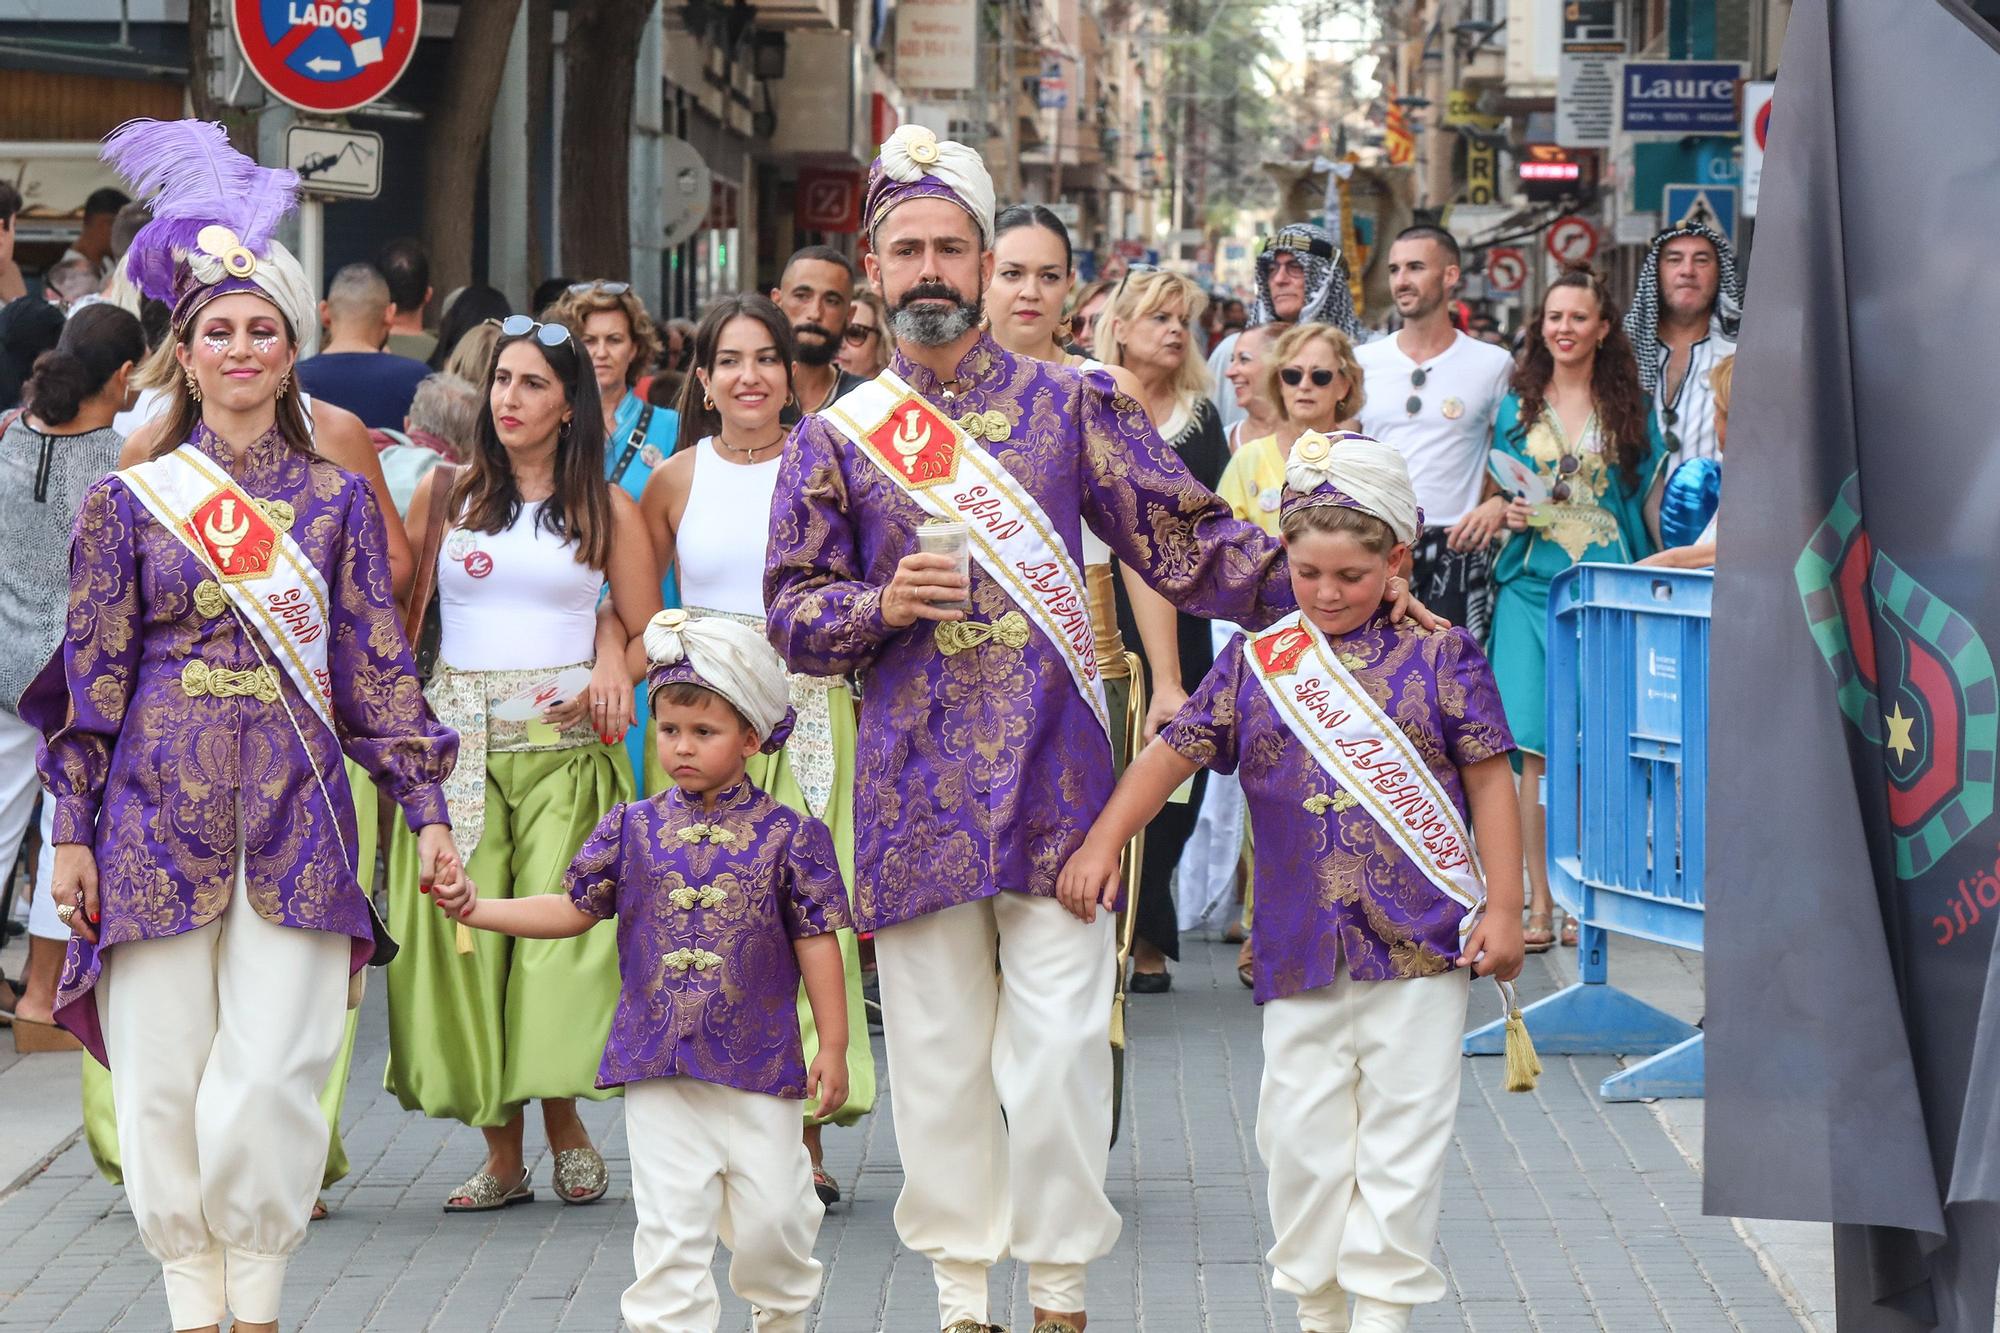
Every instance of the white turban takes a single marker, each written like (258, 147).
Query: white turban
(915, 163)
(1355, 472)
(727, 657)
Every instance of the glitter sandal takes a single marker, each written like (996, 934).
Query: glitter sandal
(581, 1176)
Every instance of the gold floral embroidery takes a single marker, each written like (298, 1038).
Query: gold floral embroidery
(706, 833)
(1319, 802)
(209, 599)
(1352, 661)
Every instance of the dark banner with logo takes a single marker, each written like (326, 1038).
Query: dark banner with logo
(1854, 857)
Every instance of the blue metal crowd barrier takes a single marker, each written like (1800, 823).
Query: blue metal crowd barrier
(1626, 799)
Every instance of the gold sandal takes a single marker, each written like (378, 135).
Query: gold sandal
(485, 1193)
(581, 1176)
(1547, 940)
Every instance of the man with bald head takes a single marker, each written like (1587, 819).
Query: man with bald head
(352, 370)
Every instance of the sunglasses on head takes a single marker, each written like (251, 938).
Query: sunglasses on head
(520, 326)
(1294, 375)
(608, 288)
(855, 335)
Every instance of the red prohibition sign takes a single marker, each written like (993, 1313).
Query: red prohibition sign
(1572, 240)
(328, 56)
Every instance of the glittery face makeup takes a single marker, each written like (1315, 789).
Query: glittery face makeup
(239, 348)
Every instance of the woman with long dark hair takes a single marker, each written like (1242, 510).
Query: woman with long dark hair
(1579, 421)
(231, 633)
(707, 511)
(540, 689)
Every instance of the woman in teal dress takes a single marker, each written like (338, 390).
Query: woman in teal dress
(1578, 418)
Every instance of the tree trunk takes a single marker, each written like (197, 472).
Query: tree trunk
(455, 139)
(600, 77)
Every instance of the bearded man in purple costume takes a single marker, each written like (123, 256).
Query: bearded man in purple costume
(983, 750)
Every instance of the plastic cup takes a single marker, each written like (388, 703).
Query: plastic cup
(943, 536)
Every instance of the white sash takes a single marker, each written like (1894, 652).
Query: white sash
(274, 588)
(932, 459)
(1363, 749)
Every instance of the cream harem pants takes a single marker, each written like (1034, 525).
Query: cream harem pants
(967, 1043)
(219, 1041)
(1354, 1120)
(711, 1161)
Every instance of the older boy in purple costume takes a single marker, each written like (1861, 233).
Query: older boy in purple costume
(724, 898)
(1363, 746)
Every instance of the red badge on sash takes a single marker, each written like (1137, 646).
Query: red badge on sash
(917, 443)
(1279, 652)
(235, 534)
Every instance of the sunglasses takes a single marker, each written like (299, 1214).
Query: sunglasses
(857, 335)
(520, 326)
(1294, 375)
(1413, 404)
(608, 288)
(1566, 467)
(1672, 417)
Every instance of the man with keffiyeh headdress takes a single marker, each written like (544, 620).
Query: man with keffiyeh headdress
(1302, 278)
(1682, 325)
(982, 747)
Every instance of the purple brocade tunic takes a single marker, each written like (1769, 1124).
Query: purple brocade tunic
(1336, 883)
(165, 784)
(708, 907)
(981, 771)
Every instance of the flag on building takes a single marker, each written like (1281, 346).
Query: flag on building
(1401, 143)
(1853, 1050)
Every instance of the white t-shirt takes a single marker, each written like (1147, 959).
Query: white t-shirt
(1446, 441)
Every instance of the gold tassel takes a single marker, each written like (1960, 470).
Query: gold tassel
(462, 940)
(1524, 1067)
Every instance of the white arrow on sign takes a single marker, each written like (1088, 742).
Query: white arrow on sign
(321, 65)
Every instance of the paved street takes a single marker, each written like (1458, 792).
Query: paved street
(1562, 1215)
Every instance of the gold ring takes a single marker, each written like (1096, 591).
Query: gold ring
(64, 911)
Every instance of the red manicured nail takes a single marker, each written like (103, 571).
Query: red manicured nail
(423, 888)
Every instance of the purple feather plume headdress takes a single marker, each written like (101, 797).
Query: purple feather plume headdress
(215, 213)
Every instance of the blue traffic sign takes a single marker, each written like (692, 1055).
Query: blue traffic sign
(1714, 205)
(1679, 96)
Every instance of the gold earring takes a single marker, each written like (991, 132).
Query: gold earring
(707, 402)
(285, 384)
(194, 389)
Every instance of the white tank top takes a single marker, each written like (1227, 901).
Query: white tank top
(1095, 550)
(515, 600)
(725, 531)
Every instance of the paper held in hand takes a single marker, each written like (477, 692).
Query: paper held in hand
(529, 702)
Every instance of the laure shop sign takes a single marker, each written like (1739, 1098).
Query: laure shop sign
(1678, 97)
